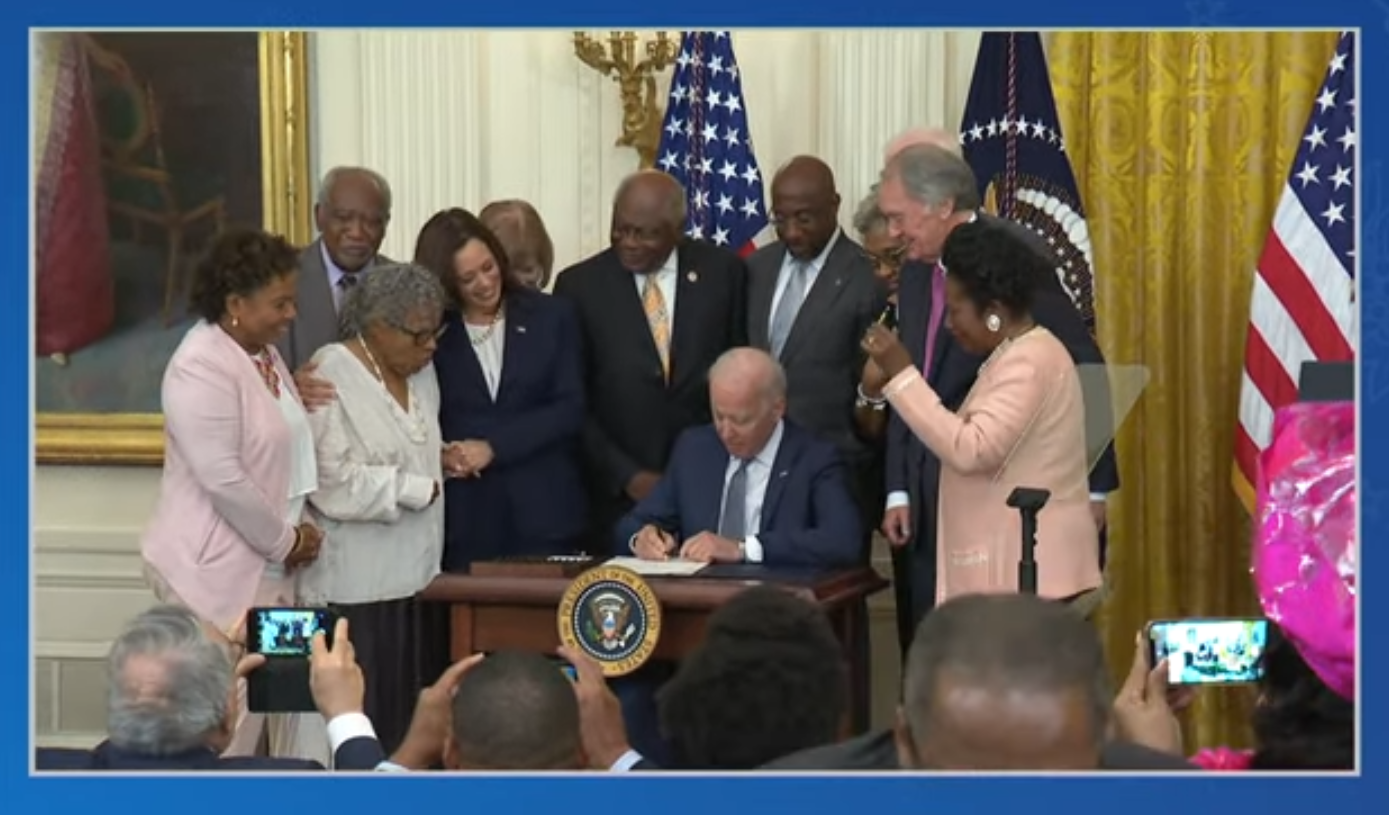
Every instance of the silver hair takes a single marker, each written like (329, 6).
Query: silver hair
(752, 363)
(868, 218)
(186, 703)
(678, 209)
(935, 176)
(389, 294)
(333, 176)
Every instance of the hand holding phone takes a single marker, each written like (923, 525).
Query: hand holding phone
(1226, 651)
(283, 638)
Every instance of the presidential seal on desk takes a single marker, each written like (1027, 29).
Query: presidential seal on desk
(613, 616)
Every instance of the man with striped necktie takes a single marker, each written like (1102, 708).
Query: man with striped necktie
(655, 309)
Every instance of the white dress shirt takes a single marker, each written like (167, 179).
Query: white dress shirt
(759, 476)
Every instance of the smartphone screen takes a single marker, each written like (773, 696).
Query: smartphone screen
(1209, 651)
(286, 632)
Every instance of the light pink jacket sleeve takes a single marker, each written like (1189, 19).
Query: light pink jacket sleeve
(203, 409)
(979, 438)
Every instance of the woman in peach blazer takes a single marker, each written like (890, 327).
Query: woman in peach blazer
(1022, 425)
(228, 531)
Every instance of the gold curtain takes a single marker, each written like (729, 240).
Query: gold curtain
(1181, 143)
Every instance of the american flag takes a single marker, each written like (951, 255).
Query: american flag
(706, 145)
(1011, 136)
(1303, 305)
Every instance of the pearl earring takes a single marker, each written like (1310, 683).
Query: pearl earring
(993, 323)
(236, 322)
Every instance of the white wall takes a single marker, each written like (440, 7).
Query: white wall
(459, 118)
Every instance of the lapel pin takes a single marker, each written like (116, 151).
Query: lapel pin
(520, 329)
(692, 276)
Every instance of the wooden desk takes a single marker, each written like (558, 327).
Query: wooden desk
(514, 605)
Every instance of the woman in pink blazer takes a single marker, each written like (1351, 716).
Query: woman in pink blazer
(228, 531)
(1022, 425)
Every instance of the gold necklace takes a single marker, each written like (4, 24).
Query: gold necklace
(486, 333)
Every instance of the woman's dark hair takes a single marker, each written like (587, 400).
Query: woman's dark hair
(241, 261)
(449, 231)
(994, 265)
(1299, 723)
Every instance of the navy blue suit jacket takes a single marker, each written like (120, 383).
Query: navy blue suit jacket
(535, 428)
(808, 515)
(355, 755)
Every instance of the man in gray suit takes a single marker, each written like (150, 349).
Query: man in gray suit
(352, 211)
(811, 296)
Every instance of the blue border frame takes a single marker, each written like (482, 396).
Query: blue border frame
(1135, 796)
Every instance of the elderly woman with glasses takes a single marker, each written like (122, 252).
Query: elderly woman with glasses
(887, 255)
(380, 474)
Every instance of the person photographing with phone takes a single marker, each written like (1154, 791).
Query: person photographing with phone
(1022, 424)
(229, 530)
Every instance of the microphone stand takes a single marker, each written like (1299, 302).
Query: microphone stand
(1028, 502)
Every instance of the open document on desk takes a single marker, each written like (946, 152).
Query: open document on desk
(658, 568)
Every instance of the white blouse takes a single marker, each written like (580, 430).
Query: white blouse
(303, 465)
(489, 343)
(378, 464)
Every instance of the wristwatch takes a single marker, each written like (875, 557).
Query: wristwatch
(742, 552)
(866, 401)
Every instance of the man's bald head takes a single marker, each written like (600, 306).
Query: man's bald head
(648, 220)
(805, 206)
(515, 711)
(747, 395)
(934, 136)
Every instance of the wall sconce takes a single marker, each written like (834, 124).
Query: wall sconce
(636, 80)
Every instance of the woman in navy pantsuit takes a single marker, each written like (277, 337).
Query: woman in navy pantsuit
(511, 402)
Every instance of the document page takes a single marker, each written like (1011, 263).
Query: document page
(658, 568)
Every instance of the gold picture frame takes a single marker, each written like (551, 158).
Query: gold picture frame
(138, 439)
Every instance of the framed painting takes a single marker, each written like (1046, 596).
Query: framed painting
(147, 145)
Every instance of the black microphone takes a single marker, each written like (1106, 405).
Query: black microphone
(1028, 502)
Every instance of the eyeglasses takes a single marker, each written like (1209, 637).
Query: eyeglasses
(892, 259)
(424, 337)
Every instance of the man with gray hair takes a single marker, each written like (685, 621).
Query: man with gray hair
(351, 213)
(172, 705)
(926, 191)
(752, 487)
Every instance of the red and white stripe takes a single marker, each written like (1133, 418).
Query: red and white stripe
(1303, 309)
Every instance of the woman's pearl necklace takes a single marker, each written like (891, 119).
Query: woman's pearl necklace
(416, 429)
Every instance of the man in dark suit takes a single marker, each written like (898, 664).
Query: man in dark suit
(175, 704)
(655, 311)
(811, 296)
(351, 213)
(751, 487)
(997, 682)
(926, 192)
